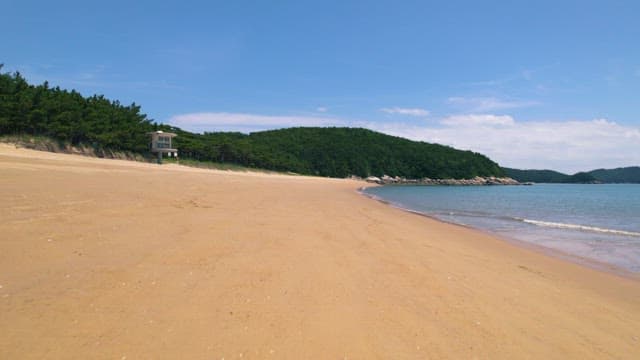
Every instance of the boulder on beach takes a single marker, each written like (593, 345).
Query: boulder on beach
(373, 179)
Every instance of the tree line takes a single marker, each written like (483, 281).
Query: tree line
(69, 117)
(619, 175)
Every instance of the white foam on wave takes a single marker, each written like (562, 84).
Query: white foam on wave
(579, 227)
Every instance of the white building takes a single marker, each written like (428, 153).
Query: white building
(161, 144)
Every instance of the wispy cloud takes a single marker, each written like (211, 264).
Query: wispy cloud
(95, 78)
(321, 109)
(406, 111)
(221, 121)
(484, 104)
(497, 82)
(525, 75)
(477, 120)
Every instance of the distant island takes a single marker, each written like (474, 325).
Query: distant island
(616, 176)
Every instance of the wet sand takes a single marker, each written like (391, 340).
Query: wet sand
(114, 259)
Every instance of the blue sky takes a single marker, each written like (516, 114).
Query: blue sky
(544, 84)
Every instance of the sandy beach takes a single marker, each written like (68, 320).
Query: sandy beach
(109, 259)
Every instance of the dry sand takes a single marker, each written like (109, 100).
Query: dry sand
(113, 259)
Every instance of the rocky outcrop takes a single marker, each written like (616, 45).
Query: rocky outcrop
(476, 181)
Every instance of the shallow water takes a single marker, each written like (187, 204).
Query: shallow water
(598, 222)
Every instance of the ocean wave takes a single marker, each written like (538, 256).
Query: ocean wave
(579, 227)
(455, 215)
(548, 224)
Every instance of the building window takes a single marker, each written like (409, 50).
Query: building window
(164, 142)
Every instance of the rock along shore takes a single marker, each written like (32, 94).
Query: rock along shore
(476, 181)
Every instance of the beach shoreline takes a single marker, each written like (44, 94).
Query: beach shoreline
(547, 251)
(114, 259)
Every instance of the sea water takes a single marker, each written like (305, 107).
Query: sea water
(594, 222)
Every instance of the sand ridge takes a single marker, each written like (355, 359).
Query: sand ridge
(115, 259)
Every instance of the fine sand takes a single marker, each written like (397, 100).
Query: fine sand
(108, 259)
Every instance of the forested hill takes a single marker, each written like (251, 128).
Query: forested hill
(537, 176)
(337, 152)
(619, 175)
(68, 117)
(550, 176)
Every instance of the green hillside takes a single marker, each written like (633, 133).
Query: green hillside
(619, 175)
(537, 176)
(69, 117)
(337, 152)
(550, 176)
(580, 178)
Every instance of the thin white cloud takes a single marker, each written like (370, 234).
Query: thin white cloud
(569, 146)
(484, 104)
(321, 109)
(406, 111)
(221, 121)
(519, 76)
(96, 78)
(478, 120)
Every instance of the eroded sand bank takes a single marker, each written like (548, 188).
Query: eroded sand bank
(114, 259)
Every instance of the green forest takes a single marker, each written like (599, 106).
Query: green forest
(537, 176)
(618, 175)
(68, 117)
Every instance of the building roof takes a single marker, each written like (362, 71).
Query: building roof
(160, 132)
